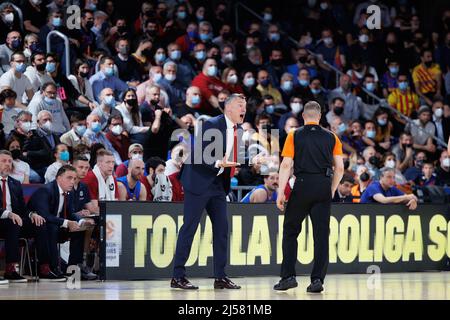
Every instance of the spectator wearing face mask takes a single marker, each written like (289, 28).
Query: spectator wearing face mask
(13, 44)
(423, 140)
(154, 76)
(266, 88)
(126, 65)
(263, 136)
(48, 101)
(365, 49)
(287, 87)
(441, 122)
(37, 73)
(118, 136)
(155, 167)
(371, 162)
(303, 89)
(95, 135)
(9, 110)
(185, 73)
(384, 130)
(192, 103)
(9, 20)
(249, 85)
(336, 109)
(107, 107)
(20, 169)
(81, 83)
(369, 104)
(132, 119)
(16, 80)
(412, 173)
(389, 80)
(231, 79)
(404, 152)
(354, 137)
(340, 128)
(352, 102)
(427, 77)
(197, 57)
(403, 99)
(61, 157)
(74, 136)
(210, 85)
(296, 107)
(275, 66)
(167, 83)
(330, 52)
(363, 180)
(443, 171)
(135, 152)
(389, 161)
(369, 133)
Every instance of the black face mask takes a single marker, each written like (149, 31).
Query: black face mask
(133, 102)
(16, 153)
(122, 29)
(406, 146)
(277, 62)
(419, 163)
(89, 25)
(84, 75)
(302, 59)
(41, 67)
(222, 104)
(154, 102)
(364, 177)
(373, 160)
(346, 164)
(338, 110)
(147, 53)
(428, 64)
(163, 14)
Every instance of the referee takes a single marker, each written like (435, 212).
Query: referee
(313, 152)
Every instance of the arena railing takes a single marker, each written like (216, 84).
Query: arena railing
(381, 101)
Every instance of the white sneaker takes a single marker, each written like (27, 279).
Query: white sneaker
(3, 281)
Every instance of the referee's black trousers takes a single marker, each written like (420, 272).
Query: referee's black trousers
(311, 196)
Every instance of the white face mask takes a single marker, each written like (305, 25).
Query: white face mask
(390, 164)
(232, 79)
(47, 126)
(26, 126)
(137, 156)
(87, 156)
(9, 17)
(296, 107)
(117, 130)
(446, 162)
(438, 113)
(364, 38)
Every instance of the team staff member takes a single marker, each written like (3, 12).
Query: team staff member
(313, 152)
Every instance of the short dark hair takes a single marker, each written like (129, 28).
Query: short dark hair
(104, 58)
(7, 93)
(153, 163)
(17, 53)
(64, 169)
(347, 178)
(114, 117)
(336, 99)
(76, 117)
(80, 158)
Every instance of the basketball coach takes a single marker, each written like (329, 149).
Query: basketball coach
(313, 152)
(206, 185)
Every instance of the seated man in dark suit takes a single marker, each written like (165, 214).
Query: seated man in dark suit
(344, 190)
(54, 202)
(11, 218)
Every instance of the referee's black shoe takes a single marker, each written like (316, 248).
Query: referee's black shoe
(315, 286)
(286, 283)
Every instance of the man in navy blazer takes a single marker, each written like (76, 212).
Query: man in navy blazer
(206, 182)
(54, 203)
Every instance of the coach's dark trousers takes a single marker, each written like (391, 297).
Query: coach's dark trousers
(214, 201)
(311, 196)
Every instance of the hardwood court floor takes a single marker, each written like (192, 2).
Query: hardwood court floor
(392, 286)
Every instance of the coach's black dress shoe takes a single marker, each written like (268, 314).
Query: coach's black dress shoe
(225, 283)
(182, 283)
(315, 287)
(286, 283)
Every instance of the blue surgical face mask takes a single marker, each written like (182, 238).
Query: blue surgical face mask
(175, 55)
(341, 128)
(21, 67)
(212, 71)
(64, 156)
(109, 101)
(265, 82)
(274, 37)
(370, 86)
(181, 15)
(393, 70)
(159, 57)
(50, 67)
(96, 127)
(382, 122)
(57, 22)
(249, 82)
(315, 91)
(195, 100)
(270, 109)
(287, 85)
(371, 134)
(16, 44)
(193, 34)
(200, 55)
(403, 85)
(303, 82)
(80, 130)
(49, 101)
(109, 71)
(204, 37)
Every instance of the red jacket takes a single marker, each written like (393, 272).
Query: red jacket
(209, 86)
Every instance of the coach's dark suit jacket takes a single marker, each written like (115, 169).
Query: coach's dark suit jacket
(197, 178)
(17, 200)
(45, 201)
